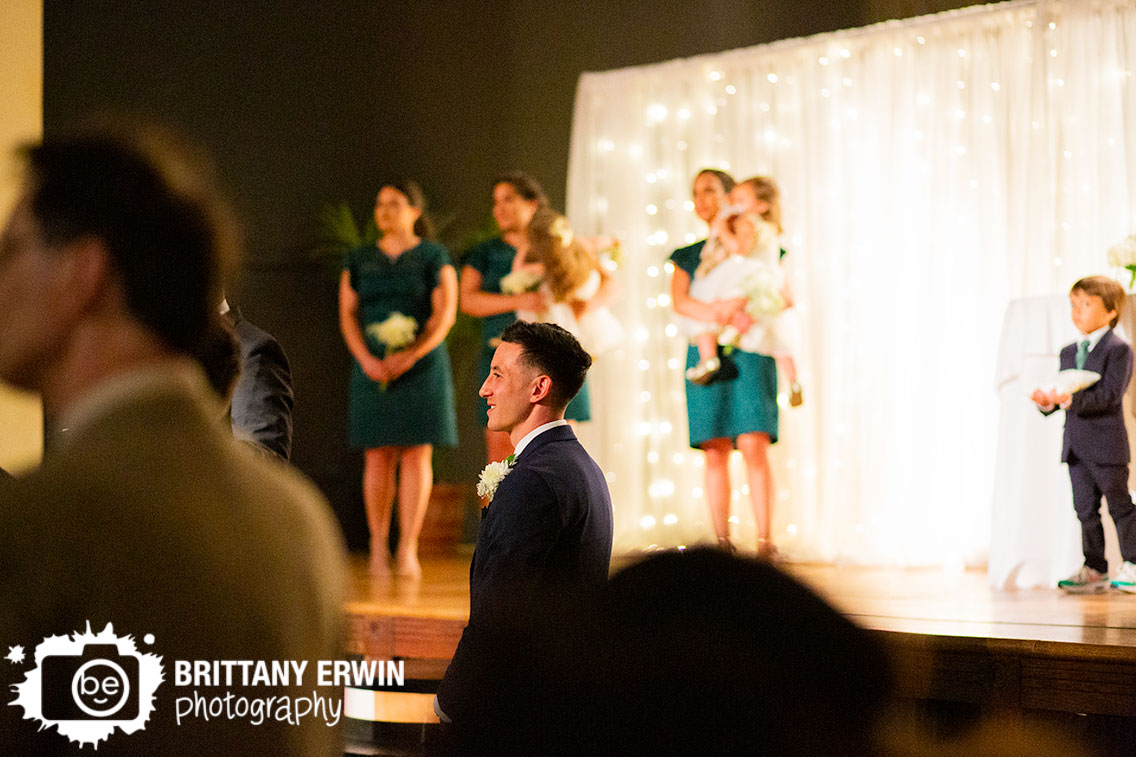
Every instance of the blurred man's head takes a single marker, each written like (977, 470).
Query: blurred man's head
(114, 227)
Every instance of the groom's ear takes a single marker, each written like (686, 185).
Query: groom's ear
(541, 388)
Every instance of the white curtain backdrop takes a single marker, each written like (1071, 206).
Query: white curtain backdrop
(931, 171)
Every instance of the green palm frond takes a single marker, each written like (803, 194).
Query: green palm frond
(339, 233)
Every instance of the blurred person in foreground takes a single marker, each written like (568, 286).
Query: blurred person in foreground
(145, 514)
(699, 651)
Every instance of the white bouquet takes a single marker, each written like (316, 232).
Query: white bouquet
(520, 282)
(1123, 255)
(763, 294)
(396, 332)
(762, 290)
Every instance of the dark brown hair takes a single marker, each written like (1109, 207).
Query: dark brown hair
(524, 185)
(151, 199)
(554, 352)
(726, 180)
(414, 195)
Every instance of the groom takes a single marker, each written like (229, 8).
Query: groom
(545, 538)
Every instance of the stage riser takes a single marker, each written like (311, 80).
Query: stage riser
(1081, 679)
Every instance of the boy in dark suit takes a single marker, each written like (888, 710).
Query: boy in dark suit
(545, 538)
(1096, 441)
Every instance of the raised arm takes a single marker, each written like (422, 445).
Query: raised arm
(353, 334)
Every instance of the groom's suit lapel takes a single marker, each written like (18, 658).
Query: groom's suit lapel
(532, 450)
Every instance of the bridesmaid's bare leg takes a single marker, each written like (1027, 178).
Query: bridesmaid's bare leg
(378, 497)
(755, 448)
(718, 488)
(414, 487)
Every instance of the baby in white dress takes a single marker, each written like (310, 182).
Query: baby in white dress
(742, 259)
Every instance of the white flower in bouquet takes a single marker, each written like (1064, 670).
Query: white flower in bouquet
(1123, 253)
(520, 282)
(492, 476)
(396, 332)
(763, 294)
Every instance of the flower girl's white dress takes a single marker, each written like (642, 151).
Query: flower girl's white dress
(755, 275)
(598, 329)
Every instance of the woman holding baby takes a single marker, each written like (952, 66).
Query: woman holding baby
(731, 393)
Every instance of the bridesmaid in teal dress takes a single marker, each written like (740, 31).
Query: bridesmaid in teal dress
(741, 412)
(516, 197)
(402, 400)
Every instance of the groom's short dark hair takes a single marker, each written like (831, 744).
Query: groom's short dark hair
(554, 352)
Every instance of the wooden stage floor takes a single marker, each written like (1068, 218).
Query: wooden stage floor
(954, 638)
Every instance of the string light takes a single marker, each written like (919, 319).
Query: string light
(660, 387)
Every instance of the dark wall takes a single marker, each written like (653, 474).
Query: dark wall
(303, 103)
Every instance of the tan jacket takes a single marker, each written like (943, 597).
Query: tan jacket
(150, 517)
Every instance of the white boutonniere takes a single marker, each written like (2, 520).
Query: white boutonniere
(492, 476)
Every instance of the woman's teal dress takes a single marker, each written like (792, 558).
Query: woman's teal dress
(417, 407)
(728, 409)
(493, 259)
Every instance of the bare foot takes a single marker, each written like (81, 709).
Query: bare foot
(380, 561)
(406, 565)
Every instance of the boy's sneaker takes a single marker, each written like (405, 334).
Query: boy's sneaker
(1125, 578)
(1086, 581)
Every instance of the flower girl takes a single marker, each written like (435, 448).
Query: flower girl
(569, 273)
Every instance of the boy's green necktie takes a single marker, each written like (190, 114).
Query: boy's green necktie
(1082, 353)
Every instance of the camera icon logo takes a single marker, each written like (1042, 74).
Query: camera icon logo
(102, 684)
(88, 685)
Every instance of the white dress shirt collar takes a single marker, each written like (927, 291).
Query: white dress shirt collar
(524, 442)
(1094, 337)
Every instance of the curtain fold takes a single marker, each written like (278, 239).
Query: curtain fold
(931, 171)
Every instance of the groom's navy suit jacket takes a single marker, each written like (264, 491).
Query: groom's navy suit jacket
(1094, 422)
(544, 543)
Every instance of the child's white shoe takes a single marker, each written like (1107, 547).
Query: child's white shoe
(703, 373)
(1125, 578)
(1084, 581)
(729, 336)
